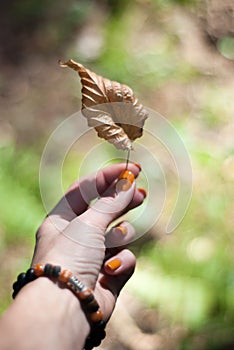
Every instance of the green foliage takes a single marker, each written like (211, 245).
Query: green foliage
(145, 69)
(188, 276)
(20, 206)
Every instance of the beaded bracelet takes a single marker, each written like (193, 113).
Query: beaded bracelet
(83, 293)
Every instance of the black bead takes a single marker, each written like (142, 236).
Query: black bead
(93, 341)
(88, 300)
(21, 280)
(96, 342)
(88, 345)
(21, 277)
(16, 285)
(48, 270)
(99, 326)
(96, 335)
(30, 275)
(56, 271)
(16, 288)
(92, 306)
(103, 334)
(20, 283)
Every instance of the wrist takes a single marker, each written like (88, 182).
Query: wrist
(63, 312)
(53, 314)
(67, 280)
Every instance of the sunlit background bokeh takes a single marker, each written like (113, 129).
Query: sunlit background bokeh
(178, 57)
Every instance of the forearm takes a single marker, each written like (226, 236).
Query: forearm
(44, 316)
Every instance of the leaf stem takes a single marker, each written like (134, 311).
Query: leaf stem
(127, 159)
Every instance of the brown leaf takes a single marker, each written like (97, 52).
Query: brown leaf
(110, 107)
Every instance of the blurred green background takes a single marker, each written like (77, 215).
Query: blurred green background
(178, 56)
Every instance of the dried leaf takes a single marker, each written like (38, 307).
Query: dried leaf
(110, 107)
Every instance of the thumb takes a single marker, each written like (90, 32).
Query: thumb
(114, 201)
(107, 208)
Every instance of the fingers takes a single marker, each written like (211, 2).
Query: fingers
(82, 192)
(89, 226)
(120, 235)
(96, 219)
(117, 271)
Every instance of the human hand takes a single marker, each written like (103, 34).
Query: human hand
(73, 234)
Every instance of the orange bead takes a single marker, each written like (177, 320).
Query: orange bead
(65, 276)
(96, 316)
(38, 270)
(84, 294)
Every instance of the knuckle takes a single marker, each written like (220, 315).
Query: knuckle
(40, 232)
(44, 228)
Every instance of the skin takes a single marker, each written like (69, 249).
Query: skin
(46, 316)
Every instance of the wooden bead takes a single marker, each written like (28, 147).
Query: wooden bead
(56, 271)
(86, 294)
(100, 326)
(30, 275)
(65, 276)
(38, 270)
(92, 306)
(21, 277)
(48, 268)
(96, 316)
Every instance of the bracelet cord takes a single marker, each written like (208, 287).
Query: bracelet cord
(83, 293)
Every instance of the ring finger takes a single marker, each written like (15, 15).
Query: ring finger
(119, 235)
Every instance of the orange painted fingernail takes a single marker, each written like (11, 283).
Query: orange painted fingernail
(128, 175)
(122, 229)
(125, 181)
(114, 264)
(137, 165)
(143, 191)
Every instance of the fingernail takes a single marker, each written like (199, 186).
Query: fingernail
(125, 181)
(122, 229)
(137, 165)
(114, 264)
(143, 191)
